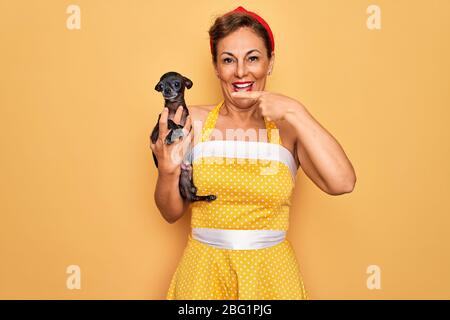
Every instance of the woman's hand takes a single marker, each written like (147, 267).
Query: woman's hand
(273, 106)
(170, 156)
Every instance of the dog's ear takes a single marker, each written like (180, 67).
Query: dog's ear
(188, 83)
(158, 87)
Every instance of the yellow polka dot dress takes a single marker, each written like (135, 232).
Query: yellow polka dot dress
(237, 248)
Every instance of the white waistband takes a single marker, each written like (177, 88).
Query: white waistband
(238, 239)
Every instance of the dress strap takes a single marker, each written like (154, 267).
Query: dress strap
(273, 134)
(210, 122)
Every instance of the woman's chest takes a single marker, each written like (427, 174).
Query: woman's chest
(243, 179)
(226, 129)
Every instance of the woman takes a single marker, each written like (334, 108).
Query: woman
(238, 247)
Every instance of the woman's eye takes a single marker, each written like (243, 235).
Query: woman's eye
(253, 57)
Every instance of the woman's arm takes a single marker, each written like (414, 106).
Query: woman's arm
(320, 154)
(167, 192)
(168, 199)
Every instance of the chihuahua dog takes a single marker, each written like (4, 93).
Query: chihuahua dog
(172, 85)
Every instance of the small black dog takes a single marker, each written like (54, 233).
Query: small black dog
(172, 86)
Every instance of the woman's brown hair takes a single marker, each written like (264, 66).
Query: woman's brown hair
(227, 24)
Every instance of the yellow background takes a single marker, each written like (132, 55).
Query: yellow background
(77, 175)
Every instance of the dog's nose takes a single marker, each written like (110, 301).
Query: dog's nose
(167, 90)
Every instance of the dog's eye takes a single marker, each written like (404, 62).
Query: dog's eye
(177, 84)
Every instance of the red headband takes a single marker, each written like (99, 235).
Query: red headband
(258, 18)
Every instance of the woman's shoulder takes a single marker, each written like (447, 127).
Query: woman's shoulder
(199, 112)
(201, 108)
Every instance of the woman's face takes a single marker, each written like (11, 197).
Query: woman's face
(242, 57)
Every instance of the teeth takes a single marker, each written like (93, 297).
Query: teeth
(243, 85)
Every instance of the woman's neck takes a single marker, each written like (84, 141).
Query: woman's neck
(240, 115)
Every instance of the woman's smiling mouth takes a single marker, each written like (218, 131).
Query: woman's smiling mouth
(242, 86)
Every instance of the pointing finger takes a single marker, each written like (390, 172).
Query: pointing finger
(247, 94)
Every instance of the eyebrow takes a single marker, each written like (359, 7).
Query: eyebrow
(225, 52)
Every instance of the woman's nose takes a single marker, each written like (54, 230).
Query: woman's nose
(241, 69)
